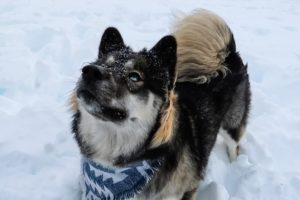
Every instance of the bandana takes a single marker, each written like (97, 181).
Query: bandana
(108, 182)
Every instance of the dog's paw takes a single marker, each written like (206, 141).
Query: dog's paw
(233, 151)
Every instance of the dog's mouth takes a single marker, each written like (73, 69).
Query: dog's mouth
(106, 113)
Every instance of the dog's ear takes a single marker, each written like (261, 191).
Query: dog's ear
(165, 51)
(111, 41)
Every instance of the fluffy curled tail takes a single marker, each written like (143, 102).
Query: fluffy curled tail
(204, 40)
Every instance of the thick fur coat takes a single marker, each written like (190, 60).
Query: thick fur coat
(165, 103)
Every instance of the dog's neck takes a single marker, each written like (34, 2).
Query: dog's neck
(109, 182)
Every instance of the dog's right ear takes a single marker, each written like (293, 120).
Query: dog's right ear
(111, 41)
(165, 50)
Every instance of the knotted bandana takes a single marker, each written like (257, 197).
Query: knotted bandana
(114, 183)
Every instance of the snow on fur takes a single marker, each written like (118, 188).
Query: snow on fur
(45, 43)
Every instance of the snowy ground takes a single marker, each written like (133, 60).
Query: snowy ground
(43, 45)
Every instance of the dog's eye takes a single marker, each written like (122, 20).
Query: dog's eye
(134, 76)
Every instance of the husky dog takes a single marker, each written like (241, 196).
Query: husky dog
(165, 106)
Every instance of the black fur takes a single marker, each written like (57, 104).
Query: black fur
(201, 109)
(111, 41)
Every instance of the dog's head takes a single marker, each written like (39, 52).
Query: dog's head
(123, 96)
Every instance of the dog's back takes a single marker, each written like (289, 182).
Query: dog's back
(213, 95)
(207, 53)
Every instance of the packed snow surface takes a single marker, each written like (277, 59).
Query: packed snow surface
(43, 45)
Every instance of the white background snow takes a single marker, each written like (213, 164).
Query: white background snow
(43, 45)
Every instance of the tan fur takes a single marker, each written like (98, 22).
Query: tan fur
(202, 40)
(164, 133)
(183, 179)
(241, 132)
(193, 195)
(73, 102)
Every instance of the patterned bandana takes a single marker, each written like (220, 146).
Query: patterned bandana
(107, 182)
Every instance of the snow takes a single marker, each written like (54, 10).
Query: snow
(45, 43)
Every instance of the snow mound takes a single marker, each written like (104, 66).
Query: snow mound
(45, 43)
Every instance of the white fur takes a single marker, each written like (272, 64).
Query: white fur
(110, 60)
(129, 64)
(110, 140)
(230, 144)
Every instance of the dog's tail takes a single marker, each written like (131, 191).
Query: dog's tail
(204, 41)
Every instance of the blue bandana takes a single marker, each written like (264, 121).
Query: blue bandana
(107, 182)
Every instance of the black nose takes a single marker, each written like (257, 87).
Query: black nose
(91, 73)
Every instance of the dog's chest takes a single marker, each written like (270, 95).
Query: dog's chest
(172, 185)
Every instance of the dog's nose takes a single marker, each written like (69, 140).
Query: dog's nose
(91, 73)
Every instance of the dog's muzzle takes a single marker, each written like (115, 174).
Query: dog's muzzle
(96, 89)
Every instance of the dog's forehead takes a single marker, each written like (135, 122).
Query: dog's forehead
(124, 61)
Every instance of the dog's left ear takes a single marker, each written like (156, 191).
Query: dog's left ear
(111, 41)
(165, 50)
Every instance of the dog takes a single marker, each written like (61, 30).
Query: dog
(146, 121)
